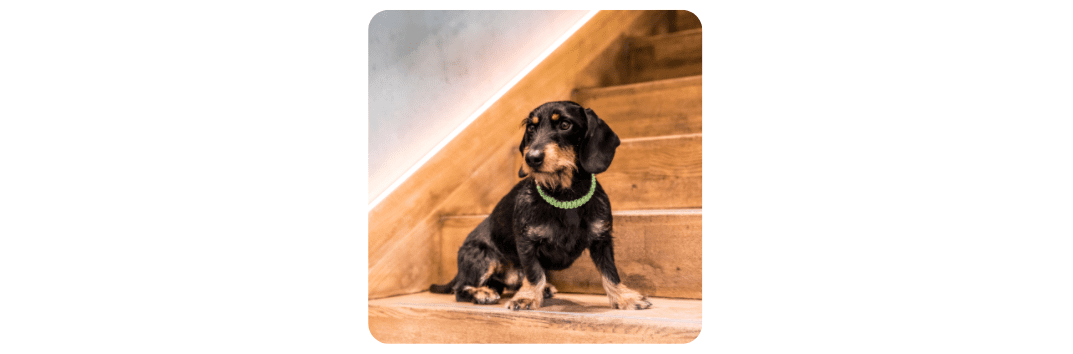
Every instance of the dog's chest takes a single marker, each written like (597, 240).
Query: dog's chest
(560, 242)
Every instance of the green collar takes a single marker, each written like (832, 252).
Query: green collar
(573, 204)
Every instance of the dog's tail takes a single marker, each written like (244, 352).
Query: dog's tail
(443, 289)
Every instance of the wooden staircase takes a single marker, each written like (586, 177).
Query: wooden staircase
(654, 185)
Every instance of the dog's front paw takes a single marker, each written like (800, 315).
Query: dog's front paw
(524, 300)
(550, 291)
(629, 300)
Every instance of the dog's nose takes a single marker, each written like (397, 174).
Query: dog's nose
(534, 158)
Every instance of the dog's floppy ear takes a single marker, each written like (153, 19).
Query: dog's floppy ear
(599, 146)
(521, 149)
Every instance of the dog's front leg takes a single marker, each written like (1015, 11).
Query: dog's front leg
(621, 297)
(531, 294)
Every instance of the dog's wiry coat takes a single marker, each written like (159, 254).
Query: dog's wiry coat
(564, 145)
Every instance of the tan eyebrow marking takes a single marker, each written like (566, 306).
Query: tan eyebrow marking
(536, 119)
(554, 116)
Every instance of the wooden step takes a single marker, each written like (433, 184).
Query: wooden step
(665, 56)
(678, 172)
(658, 253)
(655, 173)
(566, 318)
(664, 107)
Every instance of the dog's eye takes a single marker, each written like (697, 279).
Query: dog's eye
(565, 125)
(529, 128)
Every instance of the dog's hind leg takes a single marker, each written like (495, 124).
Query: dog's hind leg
(480, 291)
(476, 265)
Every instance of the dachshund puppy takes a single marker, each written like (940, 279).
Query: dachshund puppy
(547, 219)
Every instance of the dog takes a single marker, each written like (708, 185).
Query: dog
(547, 220)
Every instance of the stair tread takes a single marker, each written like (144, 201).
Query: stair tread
(694, 80)
(664, 56)
(566, 318)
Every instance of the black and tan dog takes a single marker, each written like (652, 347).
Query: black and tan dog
(548, 219)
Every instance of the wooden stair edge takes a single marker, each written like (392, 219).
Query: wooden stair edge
(660, 137)
(566, 318)
(646, 212)
(693, 80)
(658, 37)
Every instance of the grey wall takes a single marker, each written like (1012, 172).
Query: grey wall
(430, 70)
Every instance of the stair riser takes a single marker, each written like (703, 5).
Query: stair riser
(655, 174)
(656, 254)
(671, 107)
(679, 47)
(666, 56)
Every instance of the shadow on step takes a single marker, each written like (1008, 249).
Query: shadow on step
(564, 305)
(559, 304)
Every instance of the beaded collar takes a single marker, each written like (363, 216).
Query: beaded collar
(572, 204)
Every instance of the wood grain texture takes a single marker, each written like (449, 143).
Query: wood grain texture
(454, 231)
(662, 173)
(658, 253)
(410, 265)
(665, 56)
(567, 318)
(685, 20)
(425, 193)
(488, 184)
(665, 107)
(611, 66)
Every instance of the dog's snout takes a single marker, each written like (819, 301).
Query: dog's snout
(534, 158)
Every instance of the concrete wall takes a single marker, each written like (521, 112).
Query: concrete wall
(430, 70)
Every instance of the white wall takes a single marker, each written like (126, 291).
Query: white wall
(430, 70)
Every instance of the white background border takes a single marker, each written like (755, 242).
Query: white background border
(192, 177)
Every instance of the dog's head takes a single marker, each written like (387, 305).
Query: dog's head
(562, 138)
